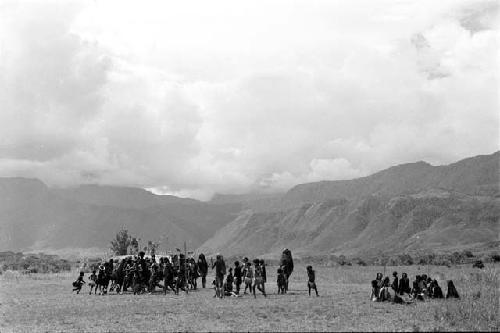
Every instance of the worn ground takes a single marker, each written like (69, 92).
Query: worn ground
(44, 302)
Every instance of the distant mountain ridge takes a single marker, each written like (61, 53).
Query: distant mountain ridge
(409, 207)
(477, 175)
(35, 217)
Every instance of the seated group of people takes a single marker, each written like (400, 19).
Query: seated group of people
(399, 291)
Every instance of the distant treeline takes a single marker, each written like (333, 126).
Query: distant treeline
(32, 263)
(443, 259)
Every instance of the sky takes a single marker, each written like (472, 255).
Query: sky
(193, 98)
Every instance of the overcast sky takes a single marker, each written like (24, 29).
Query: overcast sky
(196, 97)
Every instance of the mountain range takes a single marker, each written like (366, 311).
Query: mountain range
(405, 208)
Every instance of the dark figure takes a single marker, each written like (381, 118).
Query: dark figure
(259, 279)
(286, 263)
(404, 284)
(168, 276)
(102, 280)
(144, 271)
(193, 274)
(264, 274)
(153, 280)
(280, 280)
(118, 276)
(384, 294)
(395, 283)
(93, 283)
(220, 271)
(203, 269)
(77, 285)
(128, 274)
(452, 291)
(376, 287)
(228, 286)
(311, 283)
(435, 290)
(237, 276)
(415, 290)
(248, 277)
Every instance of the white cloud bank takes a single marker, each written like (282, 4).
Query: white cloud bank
(197, 97)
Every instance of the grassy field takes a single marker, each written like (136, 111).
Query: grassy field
(44, 302)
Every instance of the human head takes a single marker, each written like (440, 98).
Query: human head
(404, 275)
(93, 272)
(395, 274)
(309, 268)
(81, 273)
(236, 263)
(261, 261)
(379, 276)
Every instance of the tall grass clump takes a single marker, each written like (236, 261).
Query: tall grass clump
(478, 306)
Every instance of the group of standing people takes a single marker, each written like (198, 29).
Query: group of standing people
(400, 291)
(228, 283)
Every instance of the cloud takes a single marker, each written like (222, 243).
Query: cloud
(196, 98)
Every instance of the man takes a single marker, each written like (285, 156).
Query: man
(220, 271)
(202, 269)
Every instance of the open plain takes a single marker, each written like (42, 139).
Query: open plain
(44, 302)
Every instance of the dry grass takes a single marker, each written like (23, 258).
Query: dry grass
(44, 302)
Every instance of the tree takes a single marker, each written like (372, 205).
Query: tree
(121, 242)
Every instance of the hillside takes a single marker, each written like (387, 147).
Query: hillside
(35, 217)
(404, 208)
(408, 207)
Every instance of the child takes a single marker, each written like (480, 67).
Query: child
(93, 283)
(237, 276)
(228, 286)
(281, 281)
(77, 285)
(311, 284)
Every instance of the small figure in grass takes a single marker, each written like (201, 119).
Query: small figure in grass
(452, 291)
(77, 285)
(384, 294)
(435, 290)
(404, 284)
(281, 281)
(311, 283)
(395, 283)
(93, 282)
(376, 286)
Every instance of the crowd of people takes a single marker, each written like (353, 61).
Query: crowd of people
(400, 291)
(142, 274)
